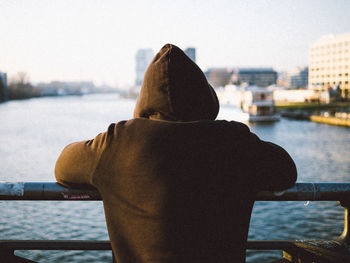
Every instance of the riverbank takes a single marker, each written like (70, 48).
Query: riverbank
(331, 120)
(321, 113)
(312, 106)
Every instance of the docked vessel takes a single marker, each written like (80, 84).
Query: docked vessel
(259, 104)
(256, 104)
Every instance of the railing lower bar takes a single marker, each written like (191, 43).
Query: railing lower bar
(105, 245)
(54, 191)
(55, 244)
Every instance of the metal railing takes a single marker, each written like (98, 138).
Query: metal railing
(303, 250)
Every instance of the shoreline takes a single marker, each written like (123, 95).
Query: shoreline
(330, 120)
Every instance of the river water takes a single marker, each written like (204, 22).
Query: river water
(33, 133)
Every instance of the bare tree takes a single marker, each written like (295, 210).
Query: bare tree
(20, 78)
(20, 87)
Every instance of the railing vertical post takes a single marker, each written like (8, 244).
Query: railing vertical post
(345, 236)
(8, 255)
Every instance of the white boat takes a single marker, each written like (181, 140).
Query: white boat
(259, 104)
(255, 104)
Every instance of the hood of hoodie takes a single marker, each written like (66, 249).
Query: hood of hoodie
(174, 88)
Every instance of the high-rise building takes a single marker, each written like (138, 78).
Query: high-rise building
(191, 53)
(3, 87)
(143, 58)
(297, 78)
(329, 63)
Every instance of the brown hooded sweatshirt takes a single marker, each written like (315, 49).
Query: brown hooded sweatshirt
(177, 186)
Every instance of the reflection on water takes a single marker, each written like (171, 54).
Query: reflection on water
(33, 133)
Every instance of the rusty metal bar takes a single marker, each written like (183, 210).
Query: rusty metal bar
(54, 191)
(105, 245)
(47, 191)
(55, 244)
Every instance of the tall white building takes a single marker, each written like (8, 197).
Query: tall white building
(191, 53)
(329, 63)
(143, 58)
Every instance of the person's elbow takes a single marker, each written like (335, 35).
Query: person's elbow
(74, 165)
(286, 175)
(61, 170)
(291, 175)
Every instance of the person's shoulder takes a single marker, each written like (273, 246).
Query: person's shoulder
(235, 125)
(144, 122)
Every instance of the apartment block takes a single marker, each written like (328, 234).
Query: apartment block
(329, 63)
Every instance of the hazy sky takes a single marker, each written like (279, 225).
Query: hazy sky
(98, 40)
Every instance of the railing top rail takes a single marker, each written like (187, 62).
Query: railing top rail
(51, 191)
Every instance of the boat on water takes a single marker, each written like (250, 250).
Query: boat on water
(257, 104)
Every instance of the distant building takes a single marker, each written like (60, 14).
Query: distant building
(261, 77)
(297, 78)
(191, 53)
(143, 58)
(329, 63)
(281, 78)
(57, 88)
(219, 77)
(3, 87)
(282, 96)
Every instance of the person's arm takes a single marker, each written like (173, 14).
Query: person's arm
(272, 167)
(78, 161)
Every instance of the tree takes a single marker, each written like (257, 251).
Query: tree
(20, 87)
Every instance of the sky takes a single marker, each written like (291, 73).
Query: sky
(79, 40)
